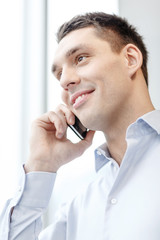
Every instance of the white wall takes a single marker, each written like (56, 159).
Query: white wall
(145, 16)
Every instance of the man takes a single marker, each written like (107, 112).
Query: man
(101, 64)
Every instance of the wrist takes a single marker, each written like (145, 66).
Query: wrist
(39, 166)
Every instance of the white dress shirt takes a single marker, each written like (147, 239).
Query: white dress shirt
(122, 204)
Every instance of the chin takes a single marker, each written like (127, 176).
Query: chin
(89, 123)
(88, 117)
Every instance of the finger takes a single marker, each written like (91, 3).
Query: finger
(59, 123)
(70, 118)
(61, 115)
(51, 118)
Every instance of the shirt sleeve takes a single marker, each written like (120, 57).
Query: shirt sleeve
(29, 203)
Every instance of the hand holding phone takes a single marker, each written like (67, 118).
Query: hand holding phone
(49, 146)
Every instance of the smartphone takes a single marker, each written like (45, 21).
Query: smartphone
(79, 129)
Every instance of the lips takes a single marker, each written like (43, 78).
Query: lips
(80, 97)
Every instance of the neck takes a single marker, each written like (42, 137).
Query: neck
(116, 133)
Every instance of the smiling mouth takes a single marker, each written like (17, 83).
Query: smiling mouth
(81, 99)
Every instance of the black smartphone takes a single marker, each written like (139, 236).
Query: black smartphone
(79, 129)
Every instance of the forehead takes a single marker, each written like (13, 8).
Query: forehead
(76, 37)
(85, 38)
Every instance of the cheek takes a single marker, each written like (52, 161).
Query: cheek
(65, 98)
(90, 73)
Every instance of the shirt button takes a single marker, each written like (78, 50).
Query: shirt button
(99, 153)
(113, 201)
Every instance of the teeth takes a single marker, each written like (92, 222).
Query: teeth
(79, 98)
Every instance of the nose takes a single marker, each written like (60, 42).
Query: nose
(69, 78)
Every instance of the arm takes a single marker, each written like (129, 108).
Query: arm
(29, 203)
(49, 149)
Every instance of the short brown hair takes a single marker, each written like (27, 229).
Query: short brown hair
(116, 30)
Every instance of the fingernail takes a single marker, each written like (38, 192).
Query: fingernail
(71, 120)
(60, 135)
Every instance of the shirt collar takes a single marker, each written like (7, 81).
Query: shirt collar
(102, 156)
(147, 123)
(153, 120)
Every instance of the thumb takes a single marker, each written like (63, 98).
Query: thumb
(89, 138)
(85, 143)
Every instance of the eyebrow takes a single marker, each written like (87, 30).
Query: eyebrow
(69, 53)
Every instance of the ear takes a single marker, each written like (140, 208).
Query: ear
(133, 58)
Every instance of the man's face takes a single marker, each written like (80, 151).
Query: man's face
(94, 79)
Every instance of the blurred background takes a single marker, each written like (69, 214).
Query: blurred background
(28, 88)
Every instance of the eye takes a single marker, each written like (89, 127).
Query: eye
(80, 58)
(59, 74)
